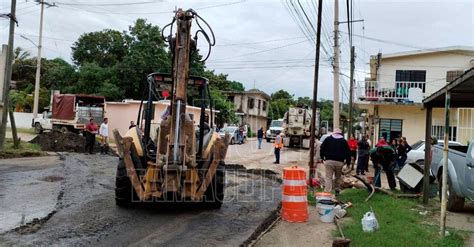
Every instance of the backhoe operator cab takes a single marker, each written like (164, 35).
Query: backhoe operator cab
(183, 164)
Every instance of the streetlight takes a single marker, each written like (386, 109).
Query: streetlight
(38, 58)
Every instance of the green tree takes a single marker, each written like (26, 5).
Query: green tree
(58, 75)
(93, 79)
(105, 48)
(147, 53)
(280, 102)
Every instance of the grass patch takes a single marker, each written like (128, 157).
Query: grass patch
(24, 150)
(23, 130)
(399, 220)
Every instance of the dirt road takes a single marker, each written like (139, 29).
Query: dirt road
(72, 197)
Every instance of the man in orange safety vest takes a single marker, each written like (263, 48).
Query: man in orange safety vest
(278, 146)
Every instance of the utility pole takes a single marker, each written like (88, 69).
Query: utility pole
(351, 91)
(335, 122)
(38, 59)
(38, 65)
(312, 167)
(8, 76)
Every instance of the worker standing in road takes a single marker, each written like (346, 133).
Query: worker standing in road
(353, 149)
(91, 131)
(278, 146)
(334, 151)
(260, 138)
(104, 136)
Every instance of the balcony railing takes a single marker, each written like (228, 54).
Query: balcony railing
(404, 92)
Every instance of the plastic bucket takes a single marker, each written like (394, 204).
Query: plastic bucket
(326, 211)
(323, 196)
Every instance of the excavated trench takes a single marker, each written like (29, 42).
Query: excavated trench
(84, 212)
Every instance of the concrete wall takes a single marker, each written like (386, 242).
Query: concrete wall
(413, 119)
(435, 64)
(22, 119)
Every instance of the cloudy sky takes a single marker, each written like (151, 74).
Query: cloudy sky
(261, 42)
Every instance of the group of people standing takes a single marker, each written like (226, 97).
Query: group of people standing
(90, 132)
(335, 151)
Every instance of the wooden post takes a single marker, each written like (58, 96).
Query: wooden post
(312, 140)
(428, 141)
(445, 165)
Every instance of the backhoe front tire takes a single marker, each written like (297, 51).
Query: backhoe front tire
(124, 193)
(214, 196)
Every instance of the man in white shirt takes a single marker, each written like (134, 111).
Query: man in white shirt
(104, 136)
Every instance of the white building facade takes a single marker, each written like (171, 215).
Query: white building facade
(397, 84)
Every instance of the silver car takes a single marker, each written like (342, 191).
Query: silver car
(234, 133)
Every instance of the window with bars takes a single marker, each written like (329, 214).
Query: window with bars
(390, 128)
(410, 75)
(453, 75)
(438, 132)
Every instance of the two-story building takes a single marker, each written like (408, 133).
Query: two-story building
(397, 84)
(251, 107)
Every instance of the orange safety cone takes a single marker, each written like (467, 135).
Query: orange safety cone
(294, 200)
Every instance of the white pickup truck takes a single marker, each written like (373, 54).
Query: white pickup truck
(275, 126)
(460, 173)
(43, 123)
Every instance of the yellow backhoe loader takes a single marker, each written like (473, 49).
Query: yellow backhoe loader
(182, 163)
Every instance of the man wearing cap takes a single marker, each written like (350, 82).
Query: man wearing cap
(335, 152)
(91, 131)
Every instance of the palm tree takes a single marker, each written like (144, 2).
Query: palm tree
(21, 54)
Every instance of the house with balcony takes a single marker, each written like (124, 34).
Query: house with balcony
(397, 83)
(251, 107)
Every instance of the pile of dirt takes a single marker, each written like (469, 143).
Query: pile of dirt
(57, 141)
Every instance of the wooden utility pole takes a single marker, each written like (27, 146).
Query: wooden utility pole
(312, 140)
(335, 108)
(445, 165)
(351, 91)
(8, 76)
(428, 141)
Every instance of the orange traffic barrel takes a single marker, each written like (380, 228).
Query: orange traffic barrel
(294, 206)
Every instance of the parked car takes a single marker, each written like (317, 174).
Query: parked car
(234, 132)
(460, 173)
(417, 154)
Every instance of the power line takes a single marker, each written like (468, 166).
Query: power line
(262, 51)
(261, 42)
(107, 4)
(408, 45)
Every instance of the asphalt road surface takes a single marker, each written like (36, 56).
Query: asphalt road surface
(69, 200)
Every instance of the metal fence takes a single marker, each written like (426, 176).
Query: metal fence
(409, 92)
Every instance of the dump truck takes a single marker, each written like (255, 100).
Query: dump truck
(184, 163)
(298, 126)
(71, 112)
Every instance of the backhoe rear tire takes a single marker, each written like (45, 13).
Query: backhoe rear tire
(214, 196)
(124, 193)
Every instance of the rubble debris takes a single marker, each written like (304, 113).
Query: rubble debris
(58, 141)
